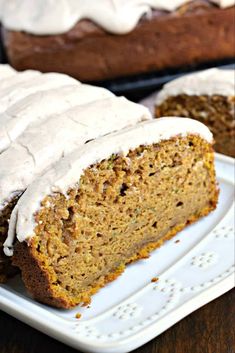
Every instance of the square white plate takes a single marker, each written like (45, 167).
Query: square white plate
(193, 268)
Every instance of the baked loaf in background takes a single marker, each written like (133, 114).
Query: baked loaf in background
(207, 96)
(43, 118)
(109, 39)
(109, 203)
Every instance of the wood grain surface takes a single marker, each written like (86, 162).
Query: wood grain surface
(211, 329)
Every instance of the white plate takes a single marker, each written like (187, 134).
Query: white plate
(132, 310)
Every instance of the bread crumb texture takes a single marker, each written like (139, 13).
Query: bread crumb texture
(154, 279)
(217, 112)
(120, 210)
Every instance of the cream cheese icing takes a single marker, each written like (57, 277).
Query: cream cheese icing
(10, 81)
(42, 145)
(49, 17)
(208, 82)
(36, 107)
(224, 3)
(23, 84)
(67, 172)
(1, 5)
(6, 70)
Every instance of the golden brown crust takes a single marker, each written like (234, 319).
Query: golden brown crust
(39, 284)
(36, 280)
(85, 240)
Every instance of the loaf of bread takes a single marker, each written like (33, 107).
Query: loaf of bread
(43, 118)
(207, 96)
(109, 203)
(100, 40)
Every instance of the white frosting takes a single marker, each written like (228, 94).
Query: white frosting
(23, 84)
(6, 70)
(1, 5)
(43, 17)
(209, 82)
(10, 81)
(224, 3)
(38, 106)
(43, 144)
(66, 173)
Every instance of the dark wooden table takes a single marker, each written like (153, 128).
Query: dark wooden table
(210, 329)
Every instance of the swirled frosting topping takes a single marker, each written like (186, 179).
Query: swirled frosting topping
(67, 172)
(50, 17)
(208, 82)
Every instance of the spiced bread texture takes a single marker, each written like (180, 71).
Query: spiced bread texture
(207, 96)
(109, 203)
(44, 117)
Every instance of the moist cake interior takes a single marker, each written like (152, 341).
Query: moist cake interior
(122, 208)
(216, 111)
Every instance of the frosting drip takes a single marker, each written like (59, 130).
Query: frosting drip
(5, 69)
(209, 82)
(49, 17)
(46, 141)
(48, 116)
(66, 173)
(23, 84)
(224, 3)
(37, 107)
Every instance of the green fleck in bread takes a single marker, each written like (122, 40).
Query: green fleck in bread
(109, 203)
